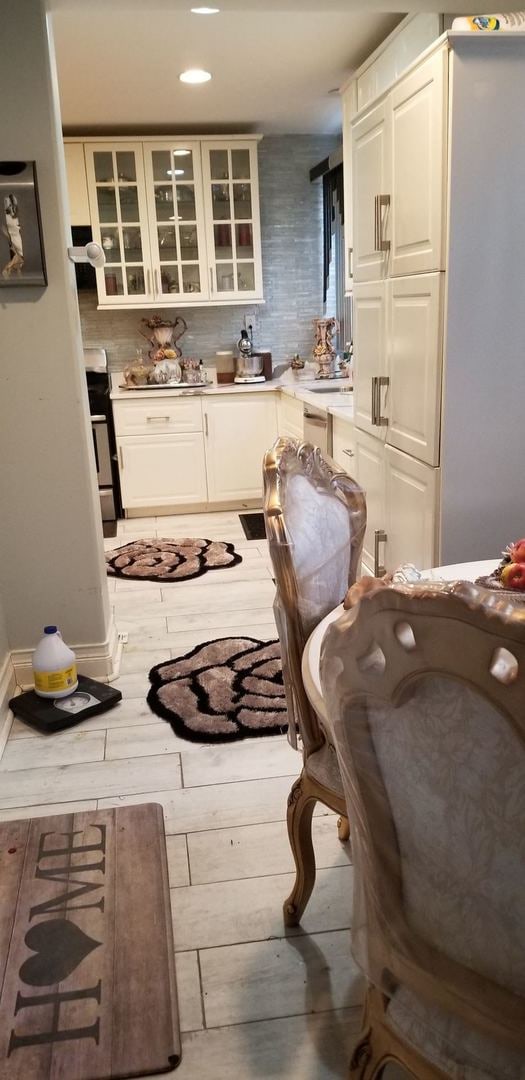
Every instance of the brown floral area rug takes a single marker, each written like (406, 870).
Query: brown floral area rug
(170, 560)
(222, 690)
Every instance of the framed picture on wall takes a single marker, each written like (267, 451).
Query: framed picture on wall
(21, 248)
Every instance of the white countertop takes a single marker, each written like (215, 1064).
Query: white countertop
(336, 403)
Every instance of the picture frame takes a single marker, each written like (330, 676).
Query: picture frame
(22, 260)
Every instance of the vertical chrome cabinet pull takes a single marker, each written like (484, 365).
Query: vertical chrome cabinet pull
(148, 282)
(383, 202)
(349, 452)
(120, 457)
(157, 287)
(206, 432)
(382, 380)
(373, 408)
(380, 537)
(211, 279)
(350, 253)
(376, 222)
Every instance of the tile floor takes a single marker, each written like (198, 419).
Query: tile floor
(255, 1003)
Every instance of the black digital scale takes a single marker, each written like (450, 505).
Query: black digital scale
(55, 714)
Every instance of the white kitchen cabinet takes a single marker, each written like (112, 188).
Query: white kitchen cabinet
(176, 220)
(77, 184)
(410, 512)
(343, 444)
(371, 370)
(370, 475)
(238, 430)
(348, 109)
(290, 417)
(418, 141)
(371, 189)
(162, 470)
(231, 193)
(414, 336)
(119, 221)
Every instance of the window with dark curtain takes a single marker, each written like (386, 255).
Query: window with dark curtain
(333, 253)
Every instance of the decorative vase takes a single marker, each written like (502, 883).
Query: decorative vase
(163, 337)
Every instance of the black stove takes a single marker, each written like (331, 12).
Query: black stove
(104, 443)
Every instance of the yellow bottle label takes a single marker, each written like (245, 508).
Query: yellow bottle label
(55, 681)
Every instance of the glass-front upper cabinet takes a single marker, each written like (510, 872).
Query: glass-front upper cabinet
(119, 221)
(233, 233)
(176, 221)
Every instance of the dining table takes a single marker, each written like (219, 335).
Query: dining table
(468, 571)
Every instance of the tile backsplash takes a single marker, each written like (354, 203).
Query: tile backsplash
(292, 246)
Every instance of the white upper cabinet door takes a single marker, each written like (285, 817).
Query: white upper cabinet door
(119, 220)
(369, 471)
(371, 181)
(233, 231)
(238, 430)
(415, 364)
(370, 358)
(347, 102)
(412, 494)
(77, 184)
(176, 221)
(419, 123)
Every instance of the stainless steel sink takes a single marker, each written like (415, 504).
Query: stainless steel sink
(329, 390)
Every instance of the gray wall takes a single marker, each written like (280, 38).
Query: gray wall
(292, 241)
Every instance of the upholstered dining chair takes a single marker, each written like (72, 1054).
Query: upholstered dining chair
(425, 688)
(315, 521)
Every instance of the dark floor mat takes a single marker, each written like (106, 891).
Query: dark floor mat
(253, 525)
(109, 528)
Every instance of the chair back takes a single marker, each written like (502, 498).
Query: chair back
(315, 522)
(425, 687)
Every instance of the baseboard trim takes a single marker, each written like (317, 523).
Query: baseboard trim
(193, 508)
(7, 689)
(99, 661)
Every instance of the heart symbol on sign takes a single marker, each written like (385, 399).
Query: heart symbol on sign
(60, 946)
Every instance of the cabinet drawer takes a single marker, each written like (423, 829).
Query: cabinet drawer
(166, 415)
(343, 445)
(290, 416)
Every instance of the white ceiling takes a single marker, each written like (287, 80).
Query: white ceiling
(273, 69)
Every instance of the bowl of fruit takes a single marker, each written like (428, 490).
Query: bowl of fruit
(508, 578)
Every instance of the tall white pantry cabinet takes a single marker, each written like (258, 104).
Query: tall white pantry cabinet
(438, 224)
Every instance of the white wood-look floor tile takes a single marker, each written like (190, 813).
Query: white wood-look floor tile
(128, 604)
(92, 780)
(144, 741)
(267, 979)
(237, 596)
(221, 620)
(252, 759)
(182, 641)
(64, 748)
(178, 867)
(21, 813)
(225, 575)
(230, 912)
(219, 806)
(314, 1047)
(133, 685)
(189, 992)
(130, 712)
(138, 525)
(111, 543)
(142, 630)
(142, 660)
(255, 850)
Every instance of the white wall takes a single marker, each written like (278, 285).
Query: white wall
(51, 550)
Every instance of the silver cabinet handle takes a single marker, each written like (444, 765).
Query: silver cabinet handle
(154, 419)
(382, 202)
(350, 269)
(376, 222)
(98, 419)
(382, 380)
(373, 406)
(148, 282)
(206, 432)
(380, 537)
(350, 453)
(156, 279)
(120, 457)
(211, 279)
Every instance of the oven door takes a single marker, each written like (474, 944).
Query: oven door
(99, 427)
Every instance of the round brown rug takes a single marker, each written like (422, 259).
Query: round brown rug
(222, 690)
(170, 560)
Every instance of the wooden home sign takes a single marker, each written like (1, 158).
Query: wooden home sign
(86, 948)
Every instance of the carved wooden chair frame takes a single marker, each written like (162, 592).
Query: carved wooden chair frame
(286, 458)
(378, 650)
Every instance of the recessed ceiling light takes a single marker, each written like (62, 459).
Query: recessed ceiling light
(195, 75)
(181, 153)
(205, 10)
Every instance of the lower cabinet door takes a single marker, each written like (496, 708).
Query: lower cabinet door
(370, 474)
(238, 429)
(412, 503)
(162, 470)
(343, 445)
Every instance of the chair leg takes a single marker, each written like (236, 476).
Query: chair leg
(301, 804)
(343, 829)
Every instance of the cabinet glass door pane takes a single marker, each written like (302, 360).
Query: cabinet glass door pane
(191, 278)
(129, 203)
(242, 201)
(135, 281)
(186, 202)
(167, 238)
(223, 241)
(244, 241)
(245, 277)
(219, 165)
(161, 160)
(169, 277)
(182, 165)
(225, 277)
(107, 204)
(220, 194)
(241, 164)
(113, 281)
(189, 246)
(110, 241)
(126, 168)
(132, 244)
(103, 162)
(164, 203)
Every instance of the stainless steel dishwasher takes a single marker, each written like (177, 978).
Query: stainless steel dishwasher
(317, 428)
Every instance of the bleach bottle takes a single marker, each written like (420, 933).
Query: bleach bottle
(54, 666)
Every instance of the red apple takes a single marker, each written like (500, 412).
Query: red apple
(513, 575)
(517, 551)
